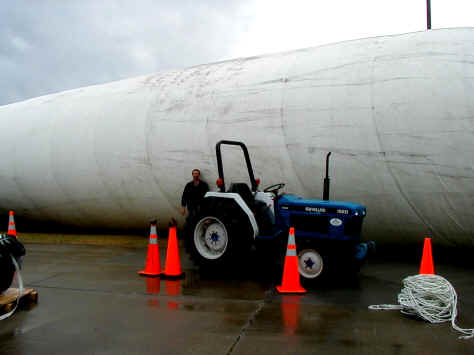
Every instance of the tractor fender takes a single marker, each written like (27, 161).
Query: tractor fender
(241, 203)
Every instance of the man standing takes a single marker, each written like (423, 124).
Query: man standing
(193, 193)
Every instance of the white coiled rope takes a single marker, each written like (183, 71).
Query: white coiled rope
(430, 297)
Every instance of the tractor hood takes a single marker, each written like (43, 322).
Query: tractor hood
(297, 203)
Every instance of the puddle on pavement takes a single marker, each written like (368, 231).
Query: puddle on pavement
(290, 312)
(171, 288)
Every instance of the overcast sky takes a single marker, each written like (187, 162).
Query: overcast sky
(53, 45)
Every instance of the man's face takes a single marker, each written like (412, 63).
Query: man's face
(196, 175)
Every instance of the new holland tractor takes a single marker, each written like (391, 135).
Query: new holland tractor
(229, 222)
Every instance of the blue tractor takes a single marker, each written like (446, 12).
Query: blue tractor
(233, 220)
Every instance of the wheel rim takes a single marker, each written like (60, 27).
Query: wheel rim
(210, 238)
(310, 263)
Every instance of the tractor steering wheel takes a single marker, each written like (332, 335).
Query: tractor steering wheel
(274, 188)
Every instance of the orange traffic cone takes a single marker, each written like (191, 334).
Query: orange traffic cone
(291, 277)
(427, 266)
(153, 262)
(172, 266)
(11, 225)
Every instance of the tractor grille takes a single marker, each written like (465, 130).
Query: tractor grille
(307, 223)
(353, 226)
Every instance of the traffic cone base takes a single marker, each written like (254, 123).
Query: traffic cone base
(427, 266)
(282, 289)
(149, 274)
(173, 277)
(172, 266)
(153, 262)
(152, 265)
(291, 277)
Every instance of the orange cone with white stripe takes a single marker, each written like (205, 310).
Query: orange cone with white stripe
(11, 225)
(427, 266)
(291, 277)
(153, 262)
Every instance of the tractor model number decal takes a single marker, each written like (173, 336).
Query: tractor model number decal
(340, 211)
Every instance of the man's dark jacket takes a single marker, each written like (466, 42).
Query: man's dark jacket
(193, 194)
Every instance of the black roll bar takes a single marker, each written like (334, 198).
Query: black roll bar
(247, 161)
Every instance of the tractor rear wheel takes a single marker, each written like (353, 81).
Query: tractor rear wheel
(211, 238)
(217, 237)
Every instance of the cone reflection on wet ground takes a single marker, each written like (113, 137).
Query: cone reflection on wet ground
(290, 308)
(172, 289)
(153, 288)
(152, 285)
(154, 303)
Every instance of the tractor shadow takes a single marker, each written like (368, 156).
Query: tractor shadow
(266, 271)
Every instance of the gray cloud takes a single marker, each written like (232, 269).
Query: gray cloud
(49, 46)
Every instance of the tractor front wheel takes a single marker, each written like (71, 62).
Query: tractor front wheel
(310, 263)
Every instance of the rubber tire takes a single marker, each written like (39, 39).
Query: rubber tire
(239, 234)
(9, 246)
(7, 271)
(317, 254)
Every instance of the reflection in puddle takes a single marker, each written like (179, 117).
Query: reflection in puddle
(152, 285)
(290, 308)
(154, 303)
(153, 288)
(172, 289)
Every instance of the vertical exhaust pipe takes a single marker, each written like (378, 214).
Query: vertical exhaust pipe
(326, 180)
(428, 14)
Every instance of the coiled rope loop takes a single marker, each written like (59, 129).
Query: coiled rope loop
(430, 297)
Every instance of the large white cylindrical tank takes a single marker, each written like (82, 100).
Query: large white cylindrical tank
(397, 112)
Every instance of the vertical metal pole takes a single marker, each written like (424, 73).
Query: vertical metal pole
(326, 180)
(428, 14)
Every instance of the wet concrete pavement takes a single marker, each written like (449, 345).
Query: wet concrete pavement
(91, 301)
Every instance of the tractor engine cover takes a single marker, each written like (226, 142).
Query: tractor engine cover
(336, 220)
(10, 247)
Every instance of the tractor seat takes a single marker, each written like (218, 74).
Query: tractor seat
(244, 191)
